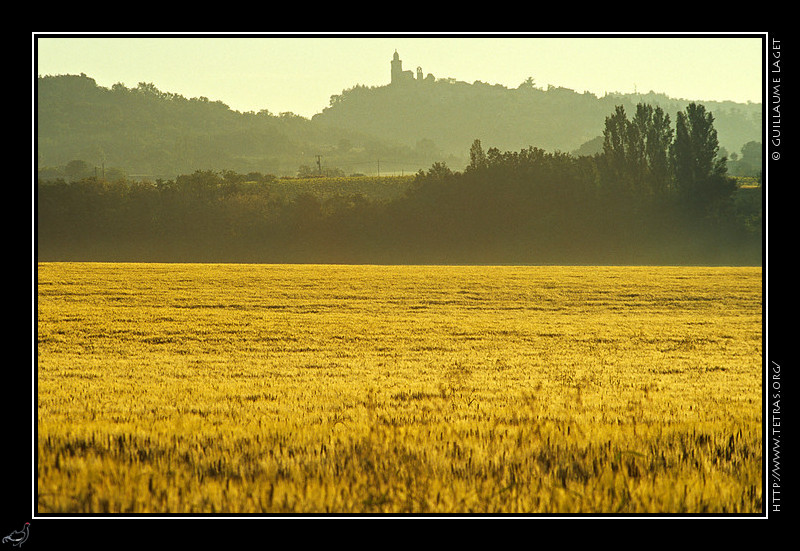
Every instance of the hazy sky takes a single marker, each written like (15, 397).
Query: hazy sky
(299, 74)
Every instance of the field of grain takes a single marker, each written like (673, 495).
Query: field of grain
(179, 388)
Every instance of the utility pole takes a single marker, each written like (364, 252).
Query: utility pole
(379, 167)
(319, 165)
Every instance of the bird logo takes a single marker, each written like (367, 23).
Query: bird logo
(17, 537)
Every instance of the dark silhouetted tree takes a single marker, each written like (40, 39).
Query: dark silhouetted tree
(624, 160)
(700, 174)
(636, 152)
(477, 158)
(651, 151)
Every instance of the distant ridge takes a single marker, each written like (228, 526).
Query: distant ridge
(145, 131)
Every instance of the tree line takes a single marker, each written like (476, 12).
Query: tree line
(657, 193)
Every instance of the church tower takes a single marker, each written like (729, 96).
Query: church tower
(397, 68)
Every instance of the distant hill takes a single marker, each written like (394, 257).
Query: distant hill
(148, 133)
(452, 114)
(396, 128)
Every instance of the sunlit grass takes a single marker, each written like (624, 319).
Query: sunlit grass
(169, 388)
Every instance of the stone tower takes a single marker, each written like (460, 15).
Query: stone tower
(397, 68)
(399, 76)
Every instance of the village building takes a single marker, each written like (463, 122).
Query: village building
(399, 76)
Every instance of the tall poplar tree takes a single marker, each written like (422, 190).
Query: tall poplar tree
(658, 138)
(616, 150)
(700, 174)
(636, 151)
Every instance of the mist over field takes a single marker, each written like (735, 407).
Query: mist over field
(431, 297)
(419, 170)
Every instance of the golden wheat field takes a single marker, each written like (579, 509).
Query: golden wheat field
(310, 389)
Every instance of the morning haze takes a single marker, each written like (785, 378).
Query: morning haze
(251, 74)
(414, 122)
(398, 276)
